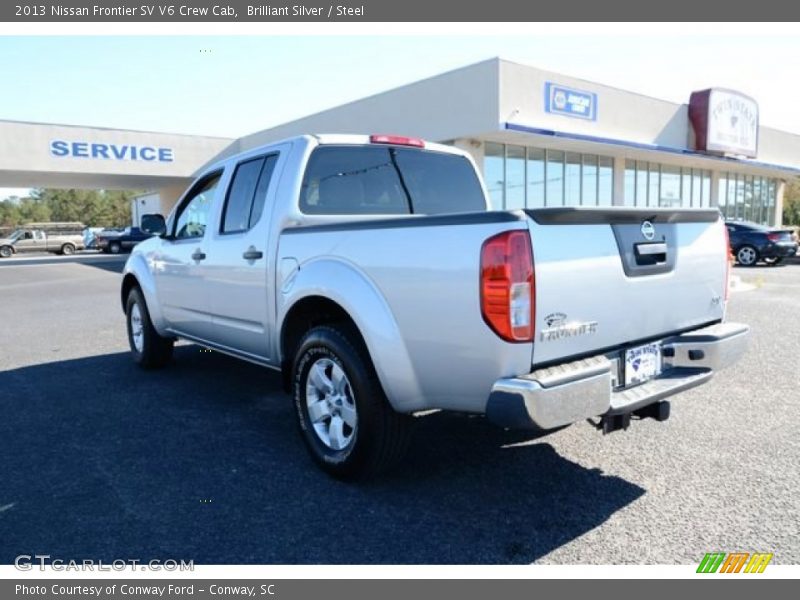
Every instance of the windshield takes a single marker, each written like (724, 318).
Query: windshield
(16, 235)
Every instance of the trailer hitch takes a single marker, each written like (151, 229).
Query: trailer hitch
(616, 422)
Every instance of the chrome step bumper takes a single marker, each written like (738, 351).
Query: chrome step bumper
(556, 396)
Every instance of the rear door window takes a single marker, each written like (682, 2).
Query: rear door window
(372, 180)
(247, 194)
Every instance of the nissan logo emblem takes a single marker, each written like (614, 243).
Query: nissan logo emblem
(648, 231)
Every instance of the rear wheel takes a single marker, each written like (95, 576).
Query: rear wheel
(345, 420)
(115, 247)
(149, 349)
(747, 256)
(68, 249)
(6, 251)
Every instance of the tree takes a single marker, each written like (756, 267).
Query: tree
(95, 208)
(791, 203)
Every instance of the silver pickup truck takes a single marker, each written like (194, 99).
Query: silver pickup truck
(370, 271)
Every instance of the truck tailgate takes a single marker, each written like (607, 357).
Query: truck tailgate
(608, 277)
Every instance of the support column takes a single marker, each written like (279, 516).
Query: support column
(781, 188)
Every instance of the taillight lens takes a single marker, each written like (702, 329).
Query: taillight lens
(774, 237)
(507, 285)
(728, 259)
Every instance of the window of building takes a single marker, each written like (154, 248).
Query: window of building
(572, 179)
(605, 181)
(589, 181)
(554, 175)
(494, 172)
(747, 197)
(515, 177)
(535, 176)
(656, 184)
(519, 176)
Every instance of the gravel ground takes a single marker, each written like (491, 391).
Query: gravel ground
(201, 460)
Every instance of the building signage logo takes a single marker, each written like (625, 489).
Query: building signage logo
(724, 122)
(562, 100)
(70, 149)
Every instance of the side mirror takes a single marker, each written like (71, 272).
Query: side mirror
(154, 224)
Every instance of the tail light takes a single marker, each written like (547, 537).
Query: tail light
(507, 285)
(728, 259)
(397, 140)
(774, 237)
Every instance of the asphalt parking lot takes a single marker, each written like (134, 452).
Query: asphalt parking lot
(202, 461)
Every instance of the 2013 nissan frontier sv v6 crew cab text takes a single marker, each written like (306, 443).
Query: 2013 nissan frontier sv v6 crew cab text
(372, 273)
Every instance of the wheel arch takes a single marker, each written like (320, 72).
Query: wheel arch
(340, 293)
(137, 274)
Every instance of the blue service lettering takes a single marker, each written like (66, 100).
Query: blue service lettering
(59, 148)
(97, 150)
(570, 102)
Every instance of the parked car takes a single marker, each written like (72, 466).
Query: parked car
(370, 272)
(117, 241)
(25, 240)
(751, 242)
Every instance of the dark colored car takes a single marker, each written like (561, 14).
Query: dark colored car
(115, 242)
(751, 242)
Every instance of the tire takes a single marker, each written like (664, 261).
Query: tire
(148, 349)
(354, 433)
(115, 248)
(747, 256)
(6, 252)
(775, 260)
(67, 249)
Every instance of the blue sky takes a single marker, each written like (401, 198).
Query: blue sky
(231, 86)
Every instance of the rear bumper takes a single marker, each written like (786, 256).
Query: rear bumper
(779, 251)
(557, 396)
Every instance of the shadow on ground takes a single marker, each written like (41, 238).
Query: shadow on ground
(201, 461)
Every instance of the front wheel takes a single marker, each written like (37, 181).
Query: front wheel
(149, 349)
(115, 248)
(6, 252)
(345, 420)
(747, 256)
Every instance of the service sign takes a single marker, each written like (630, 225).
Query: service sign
(105, 151)
(562, 100)
(724, 122)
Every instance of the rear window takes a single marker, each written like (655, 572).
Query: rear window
(374, 180)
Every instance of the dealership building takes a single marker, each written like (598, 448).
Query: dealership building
(540, 139)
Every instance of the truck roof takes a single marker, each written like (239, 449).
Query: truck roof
(341, 139)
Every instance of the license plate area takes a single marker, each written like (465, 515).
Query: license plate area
(642, 363)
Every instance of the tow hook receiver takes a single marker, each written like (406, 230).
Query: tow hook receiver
(611, 423)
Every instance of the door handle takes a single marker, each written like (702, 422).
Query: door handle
(198, 255)
(252, 254)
